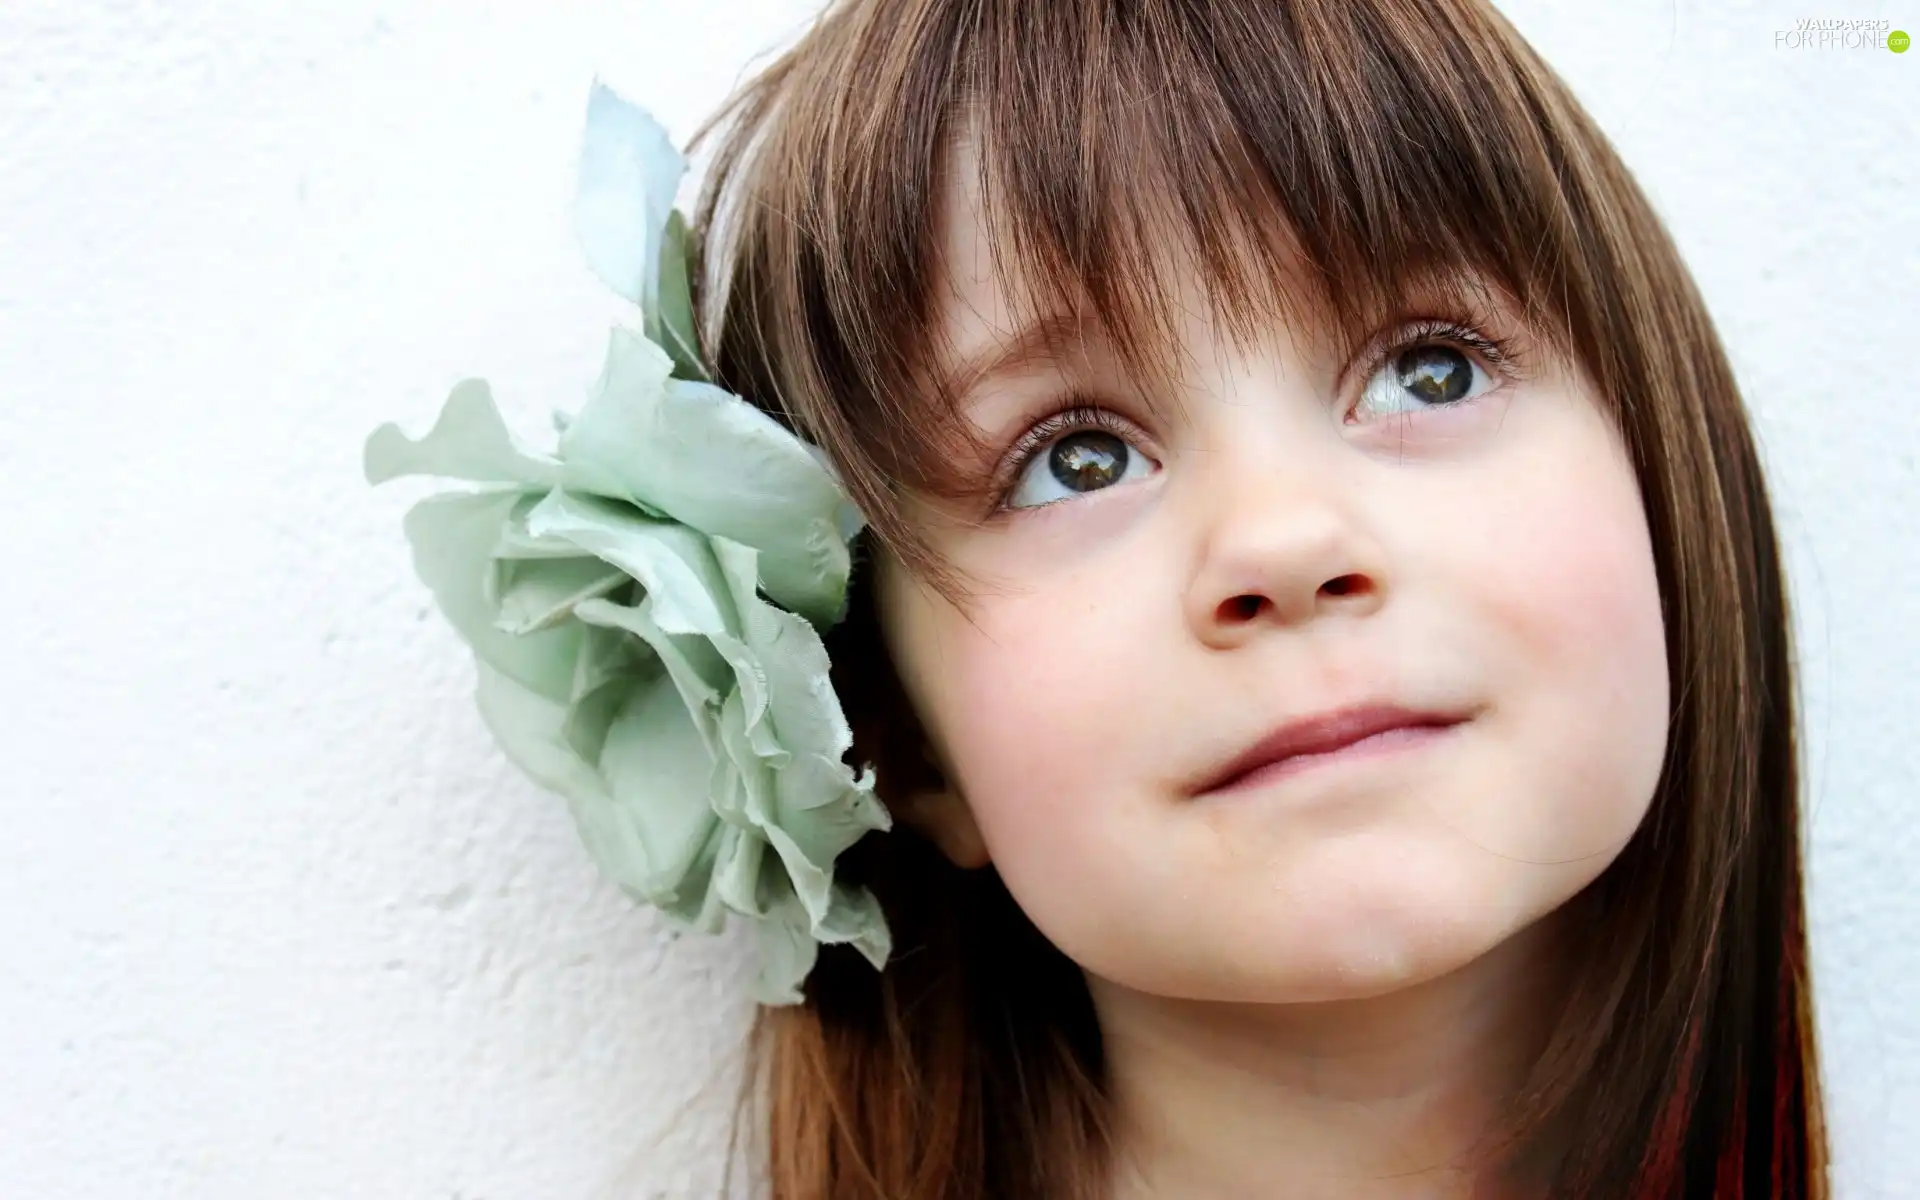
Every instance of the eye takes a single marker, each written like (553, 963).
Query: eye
(1072, 453)
(1433, 364)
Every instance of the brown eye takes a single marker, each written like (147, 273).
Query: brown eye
(1088, 460)
(1436, 374)
(1080, 460)
(1423, 376)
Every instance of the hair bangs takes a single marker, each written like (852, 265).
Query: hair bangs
(1332, 167)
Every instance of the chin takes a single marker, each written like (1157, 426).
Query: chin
(1364, 937)
(1402, 903)
(1378, 953)
(1382, 956)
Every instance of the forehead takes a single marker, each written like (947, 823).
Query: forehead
(989, 320)
(989, 324)
(981, 298)
(1162, 286)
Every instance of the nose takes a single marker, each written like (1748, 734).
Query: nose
(1282, 542)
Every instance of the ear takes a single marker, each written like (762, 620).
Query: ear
(941, 813)
(920, 793)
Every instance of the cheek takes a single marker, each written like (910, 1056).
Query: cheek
(1048, 728)
(1567, 593)
(1032, 705)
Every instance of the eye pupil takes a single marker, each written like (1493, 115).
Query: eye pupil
(1089, 459)
(1437, 374)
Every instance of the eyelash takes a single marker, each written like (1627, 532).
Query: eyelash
(1078, 418)
(1499, 353)
(1081, 415)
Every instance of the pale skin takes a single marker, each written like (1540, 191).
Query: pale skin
(1327, 982)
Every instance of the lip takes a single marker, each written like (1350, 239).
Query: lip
(1323, 735)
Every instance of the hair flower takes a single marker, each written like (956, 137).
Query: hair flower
(645, 603)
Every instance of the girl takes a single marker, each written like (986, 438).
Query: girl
(1318, 628)
(1229, 381)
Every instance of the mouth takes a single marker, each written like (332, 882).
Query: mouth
(1342, 735)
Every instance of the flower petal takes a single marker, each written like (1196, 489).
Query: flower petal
(453, 537)
(808, 809)
(700, 673)
(538, 594)
(789, 941)
(674, 564)
(672, 325)
(825, 807)
(855, 917)
(528, 728)
(715, 462)
(803, 706)
(611, 665)
(656, 766)
(629, 175)
(469, 441)
(786, 951)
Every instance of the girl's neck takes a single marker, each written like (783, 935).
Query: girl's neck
(1384, 1097)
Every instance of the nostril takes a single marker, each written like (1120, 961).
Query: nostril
(1245, 607)
(1345, 585)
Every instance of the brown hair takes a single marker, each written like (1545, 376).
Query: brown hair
(1356, 150)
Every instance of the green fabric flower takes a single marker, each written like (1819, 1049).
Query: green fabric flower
(645, 603)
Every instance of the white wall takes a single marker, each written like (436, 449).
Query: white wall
(278, 921)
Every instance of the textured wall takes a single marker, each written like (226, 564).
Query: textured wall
(279, 921)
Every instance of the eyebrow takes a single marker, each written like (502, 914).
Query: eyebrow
(1035, 343)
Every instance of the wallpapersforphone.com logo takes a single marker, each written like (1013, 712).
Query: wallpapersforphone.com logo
(1820, 33)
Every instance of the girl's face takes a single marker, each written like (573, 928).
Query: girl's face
(1428, 533)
